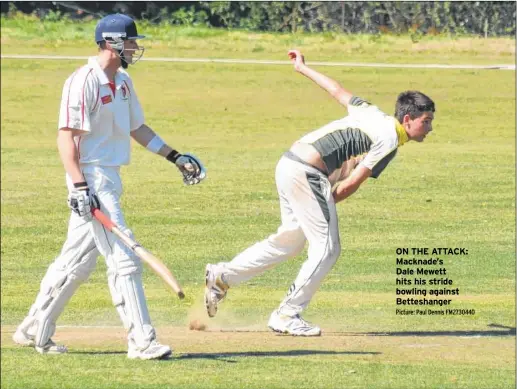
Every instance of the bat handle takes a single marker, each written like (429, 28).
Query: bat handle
(101, 217)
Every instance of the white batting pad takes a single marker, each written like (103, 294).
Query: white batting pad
(57, 287)
(129, 299)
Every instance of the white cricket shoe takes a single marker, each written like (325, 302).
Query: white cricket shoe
(51, 348)
(155, 350)
(24, 339)
(215, 290)
(292, 325)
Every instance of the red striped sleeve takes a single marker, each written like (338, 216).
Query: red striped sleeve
(82, 101)
(128, 88)
(68, 100)
(97, 98)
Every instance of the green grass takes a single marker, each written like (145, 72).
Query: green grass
(26, 34)
(455, 190)
(251, 363)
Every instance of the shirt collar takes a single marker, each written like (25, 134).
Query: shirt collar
(94, 64)
(401, 133)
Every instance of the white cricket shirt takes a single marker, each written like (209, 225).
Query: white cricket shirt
(89, 104)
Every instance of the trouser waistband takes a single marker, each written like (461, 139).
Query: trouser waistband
(292, 156)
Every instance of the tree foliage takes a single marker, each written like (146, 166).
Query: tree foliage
(427, 17)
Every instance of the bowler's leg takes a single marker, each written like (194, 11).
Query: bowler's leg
(318, 219)
(287, 242)
(313, 206)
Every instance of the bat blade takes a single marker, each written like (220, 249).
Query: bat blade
(153, 262)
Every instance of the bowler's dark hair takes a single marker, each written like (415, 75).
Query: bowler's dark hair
(414, 104)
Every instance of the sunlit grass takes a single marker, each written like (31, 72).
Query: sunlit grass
(455, 190)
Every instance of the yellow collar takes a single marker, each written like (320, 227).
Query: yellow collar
(401, 133)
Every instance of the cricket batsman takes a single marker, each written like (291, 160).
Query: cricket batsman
(100, 113)
(321, 169)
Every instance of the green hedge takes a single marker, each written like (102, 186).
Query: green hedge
(479, 18)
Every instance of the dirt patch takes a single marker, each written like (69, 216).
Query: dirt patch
(488, 348)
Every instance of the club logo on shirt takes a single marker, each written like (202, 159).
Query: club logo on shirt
(124, 92)
(106, 99)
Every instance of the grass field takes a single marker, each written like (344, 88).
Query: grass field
(26, 34)
(455, 190)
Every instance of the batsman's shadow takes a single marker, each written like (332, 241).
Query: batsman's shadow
(93, 352)
(288, 353)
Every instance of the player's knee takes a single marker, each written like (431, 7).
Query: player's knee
(297, 247)
(87, 265)
(334, 252)
(127, 265)
(124, 260)
(291, 243)
(54, 278)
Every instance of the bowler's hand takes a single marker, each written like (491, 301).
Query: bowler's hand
(297, 59)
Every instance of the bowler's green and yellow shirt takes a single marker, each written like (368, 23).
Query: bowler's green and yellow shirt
(366, 136)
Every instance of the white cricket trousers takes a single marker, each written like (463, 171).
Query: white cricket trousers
(84, 242)
(308, 212)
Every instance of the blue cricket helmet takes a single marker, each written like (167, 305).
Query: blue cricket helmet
(116, 27)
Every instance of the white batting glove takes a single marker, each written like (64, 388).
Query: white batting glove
(190, 167)
(82, 201)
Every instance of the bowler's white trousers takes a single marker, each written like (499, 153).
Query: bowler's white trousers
(85, 241)
(308, 212)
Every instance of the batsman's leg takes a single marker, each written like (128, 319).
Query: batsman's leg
(125, 284)
(70, 269)
(125, 279)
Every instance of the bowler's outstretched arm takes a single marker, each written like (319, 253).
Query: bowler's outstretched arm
(342, 95)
